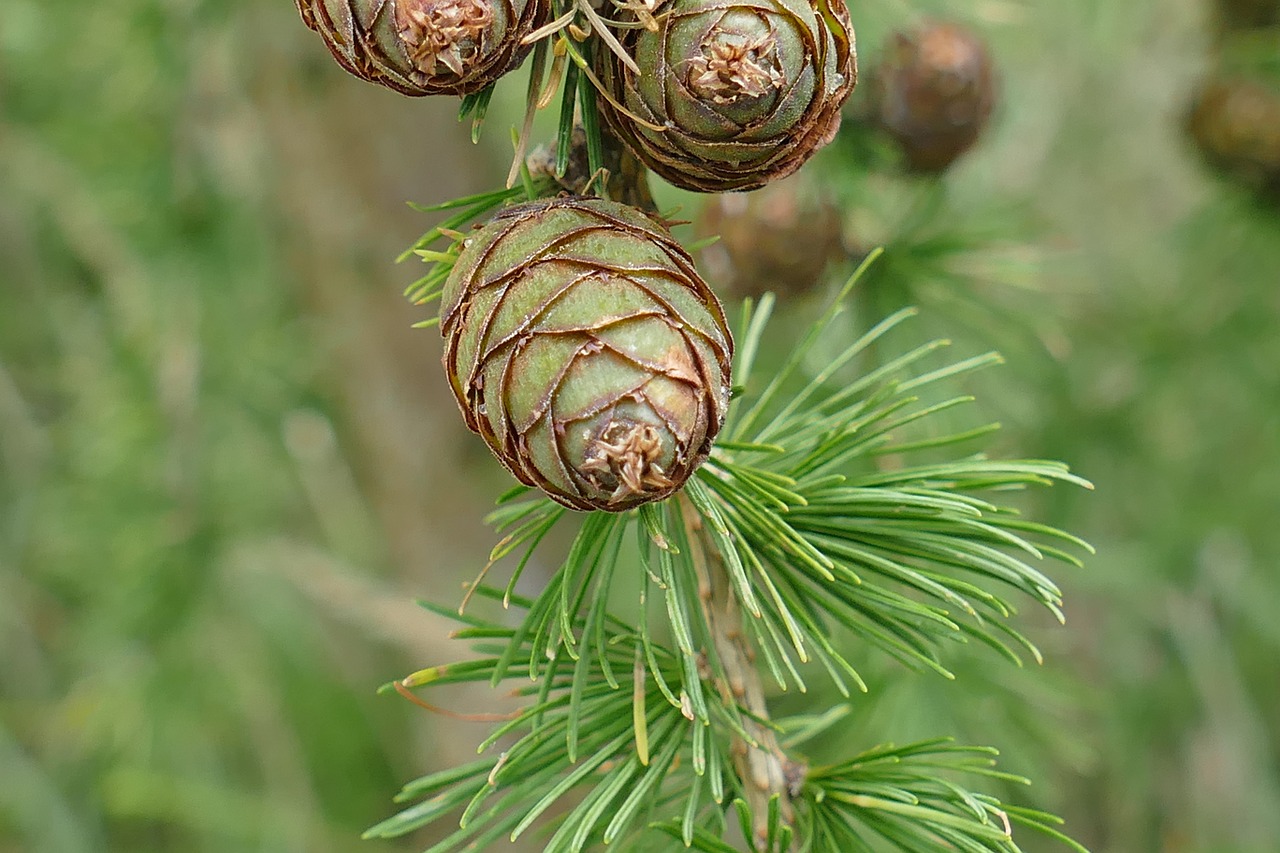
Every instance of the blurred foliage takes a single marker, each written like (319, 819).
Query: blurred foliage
(226, 463)
(203, 514)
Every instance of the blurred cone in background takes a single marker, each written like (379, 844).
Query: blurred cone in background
(1235, 122)
(777, 239)
(934, 92)
(1246, 14)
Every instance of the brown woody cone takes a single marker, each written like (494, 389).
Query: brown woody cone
(779, 239)
(1236, 125)
(934, 93)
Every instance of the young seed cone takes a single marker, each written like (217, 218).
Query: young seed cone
(582, 345)
(745, 91)
(426, 47)
(934, 93)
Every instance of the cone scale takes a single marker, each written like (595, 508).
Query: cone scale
(582, 345)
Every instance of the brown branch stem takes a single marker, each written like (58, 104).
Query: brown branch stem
(760, 762)
(628, 180)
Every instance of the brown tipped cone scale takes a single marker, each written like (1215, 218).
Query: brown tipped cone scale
(426, 47)
(731, 93)
(582, 345)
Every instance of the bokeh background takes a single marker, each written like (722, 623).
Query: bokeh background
(228, 465)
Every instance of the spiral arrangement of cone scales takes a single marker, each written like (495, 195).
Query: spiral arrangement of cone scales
(582, 345)
(426, 47)
(580, 341)
(730, 93)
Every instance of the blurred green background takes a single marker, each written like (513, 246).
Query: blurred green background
(228, 465)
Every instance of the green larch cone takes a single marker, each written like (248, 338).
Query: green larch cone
(426, 47)
(731, 93)
(585, 349)
(934, 93)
